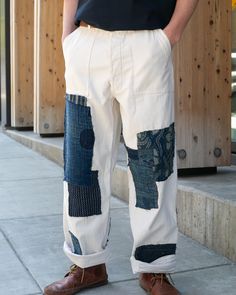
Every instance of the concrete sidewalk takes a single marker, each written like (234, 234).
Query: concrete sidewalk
(31, 236)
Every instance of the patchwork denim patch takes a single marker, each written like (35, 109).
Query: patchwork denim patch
(76, 244)
(78, 141)
(152, 162)
(107, 234)
(149, 253)
(144, 182)
(85, 200)
(83, 186)
(156, 149)
(77, 99)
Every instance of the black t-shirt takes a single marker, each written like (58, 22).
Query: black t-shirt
(125, 14)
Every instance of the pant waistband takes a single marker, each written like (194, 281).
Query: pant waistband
(84, 24)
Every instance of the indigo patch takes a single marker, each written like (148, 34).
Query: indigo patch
(152, 162)
(77, 157)
(156, 149)
(87, 139)
(107, 234)
(76, 244)
(149, 253)
(144, 182)
(76, 99)
(83, 186)
(85, 200)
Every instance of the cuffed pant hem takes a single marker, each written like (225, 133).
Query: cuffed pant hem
(165, 264)
(84, 261)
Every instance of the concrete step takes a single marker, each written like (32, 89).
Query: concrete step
(206, 205)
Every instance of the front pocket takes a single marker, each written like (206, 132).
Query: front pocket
(77, 52)
(71, 40)
(152, 63)
(67, 38)
(166, 41)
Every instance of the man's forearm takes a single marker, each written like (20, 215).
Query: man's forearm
(182, 14)
(69, 10)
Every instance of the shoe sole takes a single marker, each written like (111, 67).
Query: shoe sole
(149, 292)
(83, 288)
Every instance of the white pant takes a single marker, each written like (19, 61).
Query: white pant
(112, 78)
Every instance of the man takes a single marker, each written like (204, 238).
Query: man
(118, 68)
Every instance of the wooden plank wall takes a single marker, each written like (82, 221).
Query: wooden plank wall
(234, 30)
(203, 87)
(49, 82)
(22, 32)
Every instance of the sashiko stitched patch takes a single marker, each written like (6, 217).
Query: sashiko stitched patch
(152, 162)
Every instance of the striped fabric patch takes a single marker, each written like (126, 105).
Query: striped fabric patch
(84, 200)
(77, 99)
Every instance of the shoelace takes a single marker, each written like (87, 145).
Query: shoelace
(162, 277)
(73, 268)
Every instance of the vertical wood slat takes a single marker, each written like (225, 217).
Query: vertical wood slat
(49, 85)
(203, 86)
(22, 31)
(234, 30)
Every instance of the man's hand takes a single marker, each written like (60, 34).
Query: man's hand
(69, 10)
(173, 38)
(64, 35)
(182, 14)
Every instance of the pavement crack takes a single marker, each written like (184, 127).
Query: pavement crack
(117, 208)
(203, 268)
(125, 280)
(30, 217)
(20, 259)
(25, 179)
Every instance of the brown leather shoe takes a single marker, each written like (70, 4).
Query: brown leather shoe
(78, 279)
(157, 284)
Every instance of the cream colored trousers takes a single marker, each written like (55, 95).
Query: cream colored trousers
(114, 78)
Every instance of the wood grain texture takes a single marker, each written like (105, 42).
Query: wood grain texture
(202, 61)
(49, 68)
(22, 41)
(234, 30)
